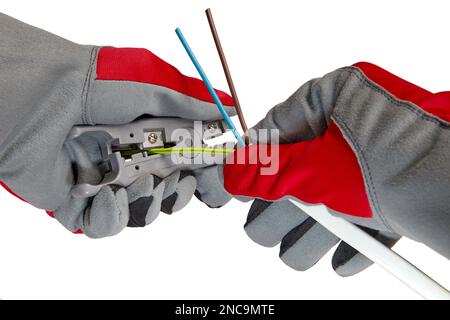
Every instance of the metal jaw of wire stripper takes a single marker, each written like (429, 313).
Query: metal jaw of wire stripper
(126, 149)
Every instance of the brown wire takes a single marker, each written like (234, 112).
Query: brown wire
(223, 60)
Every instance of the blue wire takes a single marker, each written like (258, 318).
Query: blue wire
(210, 87)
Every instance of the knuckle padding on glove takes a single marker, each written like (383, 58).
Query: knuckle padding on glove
(210, 188)
(138, 212)
(181, 191)
(168, 195)
(268, 222)
(257, 208)
(347, 261)
(306, 244)
(168, 203)
(171, 183)
(142, 187)
(303, 241)
(146, 195)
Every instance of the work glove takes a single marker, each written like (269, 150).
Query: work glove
(370, 146)
(48, 85)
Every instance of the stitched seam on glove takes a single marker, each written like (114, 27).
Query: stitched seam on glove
(372, 193)
(400, 103)
(406, 105)
(86, 115)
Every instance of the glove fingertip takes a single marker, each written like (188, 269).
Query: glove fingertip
(212, 205)
(168, 203)
(183, 193)
(210, 188)
(347, 261)
(306, 244)
(138, 212)
(108, 213)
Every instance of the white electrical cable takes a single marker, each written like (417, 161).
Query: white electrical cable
(387, 259)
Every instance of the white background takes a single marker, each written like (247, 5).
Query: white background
(199, 253)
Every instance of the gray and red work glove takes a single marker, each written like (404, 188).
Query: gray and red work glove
(373, 148)
(48, 85)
